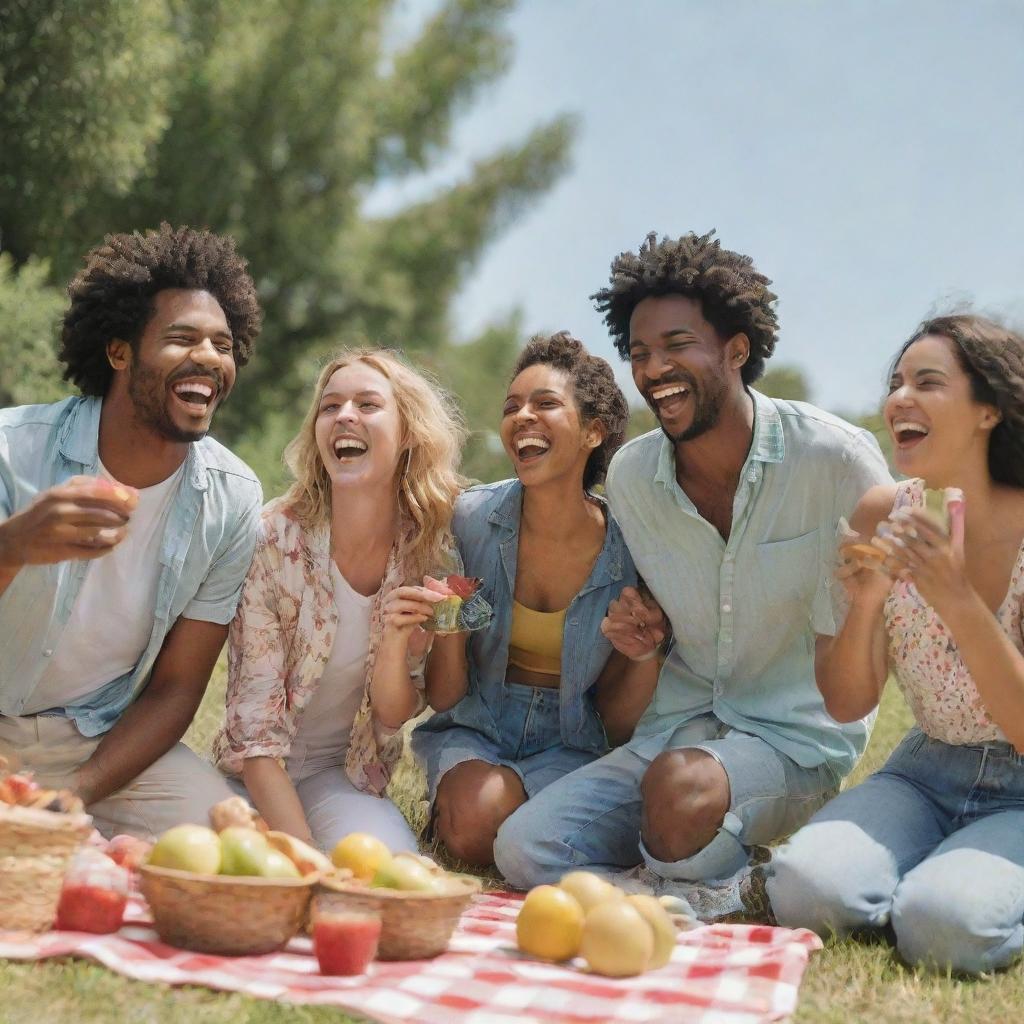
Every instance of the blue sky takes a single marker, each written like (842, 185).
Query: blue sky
(868, 155)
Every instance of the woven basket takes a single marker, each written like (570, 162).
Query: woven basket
(227, 914)
(414, 925)
(35, 848)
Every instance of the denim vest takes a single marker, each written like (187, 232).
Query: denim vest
(486, 527)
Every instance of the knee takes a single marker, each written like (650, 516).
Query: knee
(812, 885)
(467, 832)
(685, 799)
(953, 927)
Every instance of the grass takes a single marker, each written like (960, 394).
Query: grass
(846, 983)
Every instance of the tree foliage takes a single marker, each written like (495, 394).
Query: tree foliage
(271, 120)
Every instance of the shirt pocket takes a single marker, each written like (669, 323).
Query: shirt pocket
(787, 572)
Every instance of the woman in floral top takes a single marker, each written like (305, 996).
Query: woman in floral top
(326, 651)
(933, 844)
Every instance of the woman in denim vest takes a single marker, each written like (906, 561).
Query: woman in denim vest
(540, 691)
(933, 844)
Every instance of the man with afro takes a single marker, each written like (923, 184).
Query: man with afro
(126, 532)
(730, 511)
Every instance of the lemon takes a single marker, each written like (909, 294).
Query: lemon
(662, 928)
(549, 924)
(617, 941)
(589, 889)
(363, 855)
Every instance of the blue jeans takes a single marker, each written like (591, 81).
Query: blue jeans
(592, 817)
(932, 844)
(532, 745)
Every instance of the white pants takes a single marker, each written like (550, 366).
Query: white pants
(334, 807)
(178, 788)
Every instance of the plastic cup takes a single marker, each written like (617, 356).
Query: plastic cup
(345, 941)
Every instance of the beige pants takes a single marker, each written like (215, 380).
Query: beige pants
(177, 788)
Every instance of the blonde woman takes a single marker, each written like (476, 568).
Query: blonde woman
(325, 653)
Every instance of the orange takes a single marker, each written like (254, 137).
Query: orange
(363, 855)
(550, 923)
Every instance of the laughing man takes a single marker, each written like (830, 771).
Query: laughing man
(126, 532)
(730, 512)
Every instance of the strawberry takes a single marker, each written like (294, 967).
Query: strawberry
(464, 586)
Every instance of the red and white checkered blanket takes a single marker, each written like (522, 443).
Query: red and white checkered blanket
(721, 974)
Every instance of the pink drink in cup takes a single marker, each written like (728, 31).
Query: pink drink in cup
(345, 941)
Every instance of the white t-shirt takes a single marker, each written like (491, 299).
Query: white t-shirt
(321, 740)
(112, 617)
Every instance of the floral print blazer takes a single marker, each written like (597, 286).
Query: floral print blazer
(279, 643)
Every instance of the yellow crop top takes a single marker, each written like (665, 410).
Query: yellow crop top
(536, 640)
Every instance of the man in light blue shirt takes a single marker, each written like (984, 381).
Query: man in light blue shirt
(730, 512)
(126, 532)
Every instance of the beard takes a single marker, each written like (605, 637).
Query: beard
(708, 399)
(148, 392)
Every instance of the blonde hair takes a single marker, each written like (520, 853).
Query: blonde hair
(433, 433)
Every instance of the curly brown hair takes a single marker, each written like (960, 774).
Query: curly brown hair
(992, 356)
(112, 295)
(597, 393)
(734, 297)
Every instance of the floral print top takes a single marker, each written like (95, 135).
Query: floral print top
(925, 658)
(279, 643)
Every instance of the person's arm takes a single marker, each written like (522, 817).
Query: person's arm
(852, 666)
(161, 714)
(394, 695)
(623, 691)
(447, 672)
(83, 518)
(935, 563)
(273, 794)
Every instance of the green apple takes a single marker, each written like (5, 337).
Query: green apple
(277, 865)
(188, 848)
(405, 873)
(244, 851)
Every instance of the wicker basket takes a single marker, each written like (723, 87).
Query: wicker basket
(227, 914)
(414, 925)
(35, 848)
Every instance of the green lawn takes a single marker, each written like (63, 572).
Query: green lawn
(847, 983)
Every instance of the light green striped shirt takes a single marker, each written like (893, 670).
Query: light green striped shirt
(745, 612)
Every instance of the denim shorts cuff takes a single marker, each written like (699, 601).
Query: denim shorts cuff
(721, 858)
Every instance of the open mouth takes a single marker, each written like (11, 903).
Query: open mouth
(530, 447)
(195, 395)
(348, 449)
(908, 434)
(669, 399)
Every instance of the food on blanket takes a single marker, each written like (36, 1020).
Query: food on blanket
(361, 854)
(20, 789)
(94, 894)
(188, 848)
(244, 851)
(589, 889)
(617, 942)
(302, 855)
(128, 851)
(406, 873)
(277, 865)
(235, 811)
(550, 923)
(662, 928)
(456, 590)
(345, 942)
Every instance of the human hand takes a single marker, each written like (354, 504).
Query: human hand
(635, 624)
(83, 518)
(861, 570)
(405, 609)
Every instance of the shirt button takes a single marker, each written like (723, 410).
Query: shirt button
(726, 608)
(48, 653)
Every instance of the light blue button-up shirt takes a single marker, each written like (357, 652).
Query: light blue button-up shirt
(204, 554)
(745, 612)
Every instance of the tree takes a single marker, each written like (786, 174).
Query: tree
(786, 382)
(274, 121)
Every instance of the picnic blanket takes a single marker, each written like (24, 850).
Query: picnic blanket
(719, 974)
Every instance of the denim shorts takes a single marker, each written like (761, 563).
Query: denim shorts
(531, 745)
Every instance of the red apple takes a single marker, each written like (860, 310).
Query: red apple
(345, 942)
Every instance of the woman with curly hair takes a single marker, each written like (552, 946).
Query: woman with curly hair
(933, 843)
(540, 691)
(325, 653)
